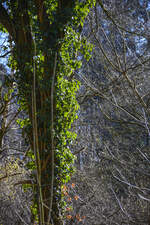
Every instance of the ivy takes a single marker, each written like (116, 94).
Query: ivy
(61, 34)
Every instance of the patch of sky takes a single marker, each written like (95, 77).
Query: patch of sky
(4, 48)
(141, 19)
(80, 57)
(140, 42)
(105, 26)
(142, 3)
(5, 5)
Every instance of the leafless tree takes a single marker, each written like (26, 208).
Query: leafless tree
(113, 124)
(14, 202)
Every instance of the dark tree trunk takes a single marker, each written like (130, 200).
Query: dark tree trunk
(19, 27)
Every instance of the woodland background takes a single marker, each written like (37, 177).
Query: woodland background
(111, 183)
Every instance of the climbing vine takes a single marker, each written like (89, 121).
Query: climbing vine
(53, 29)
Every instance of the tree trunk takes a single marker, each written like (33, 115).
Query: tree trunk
(19, 27)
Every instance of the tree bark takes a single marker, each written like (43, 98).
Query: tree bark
(19, 27)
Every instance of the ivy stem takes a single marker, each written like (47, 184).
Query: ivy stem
(52, 136)
(35, 137)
